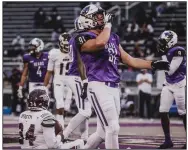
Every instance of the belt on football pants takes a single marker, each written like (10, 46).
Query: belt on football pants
(112, 84)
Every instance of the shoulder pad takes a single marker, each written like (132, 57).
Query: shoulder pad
(179, 52)
(48, 121)
(82, 38)
(53, 53)
(26, 57)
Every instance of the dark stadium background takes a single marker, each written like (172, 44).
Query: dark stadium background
(19, 18)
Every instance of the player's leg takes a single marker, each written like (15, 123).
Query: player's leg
(58, 94)
(84, 108)
(96, 138)
(166, 101)
(77, 144)
(105, 109)
(67, 98)
(31, 86)
(179, 94)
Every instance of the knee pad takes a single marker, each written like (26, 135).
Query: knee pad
(113, 127)
(86, 112)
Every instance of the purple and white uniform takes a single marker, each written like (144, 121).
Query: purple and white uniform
(37, 68)
(175, 81)
(180, 73)
(102, 72)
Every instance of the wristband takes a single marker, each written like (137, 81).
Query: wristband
(85, 81)
(108, 25)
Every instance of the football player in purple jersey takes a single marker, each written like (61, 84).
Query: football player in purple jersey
(101, 53)
(35, 66)
(174, 85)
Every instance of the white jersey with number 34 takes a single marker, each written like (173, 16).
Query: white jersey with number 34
(59, 63)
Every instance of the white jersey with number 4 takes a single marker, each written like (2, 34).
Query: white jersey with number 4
(59, 63)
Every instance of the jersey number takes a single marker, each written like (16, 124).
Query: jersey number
(66, 68)
(39, 72)
(29, 134)
(112, 57)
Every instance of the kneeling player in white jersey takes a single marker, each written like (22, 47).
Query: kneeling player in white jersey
(38, 129)
(174, 86)
(59, 60)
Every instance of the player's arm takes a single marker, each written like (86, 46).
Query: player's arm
(91, 45)
(141, 63)
(81, 67)
(48, 127)
(88, 44)
(24, 74)
(50, 69)
(176, 61)
(82, 71)
(47, 77)
(23, 79)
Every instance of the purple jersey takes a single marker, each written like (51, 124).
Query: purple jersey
(180, 73)
(73, 69)
(101, 65)
(37, 67)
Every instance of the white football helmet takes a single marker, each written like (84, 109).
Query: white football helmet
(78, 24)
(92, 17)
(167, 40)
(36, 45)
(64, 42)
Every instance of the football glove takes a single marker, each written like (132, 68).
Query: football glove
(19, 92)
(160, 65)
(84, 89)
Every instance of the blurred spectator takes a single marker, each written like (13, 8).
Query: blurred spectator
(132, 31)
(14, 79)
(84, 4)
(18, 45)
(161, 8)
(150, 47)
(127, 105)
(106, 5)
(121, 29)
(40, 18)
(55, 20)
(171, 7)
(177, 27)
(55, 35)
(140, 16)
(137, 51)
(144, 81)
(146, 30)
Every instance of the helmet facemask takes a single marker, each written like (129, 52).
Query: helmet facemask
(64, 42)
(38, 100)
(92, 17)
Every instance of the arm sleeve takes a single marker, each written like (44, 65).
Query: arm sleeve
(174, 65)
(138, 78)
(51, 62)
(51, 140)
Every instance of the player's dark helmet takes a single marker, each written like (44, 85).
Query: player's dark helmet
(64, 42)
(38, 100)
(166, 40)
(92, 17)
(36, 45)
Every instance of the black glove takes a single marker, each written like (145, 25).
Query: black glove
(84, 90)
(160, 65)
